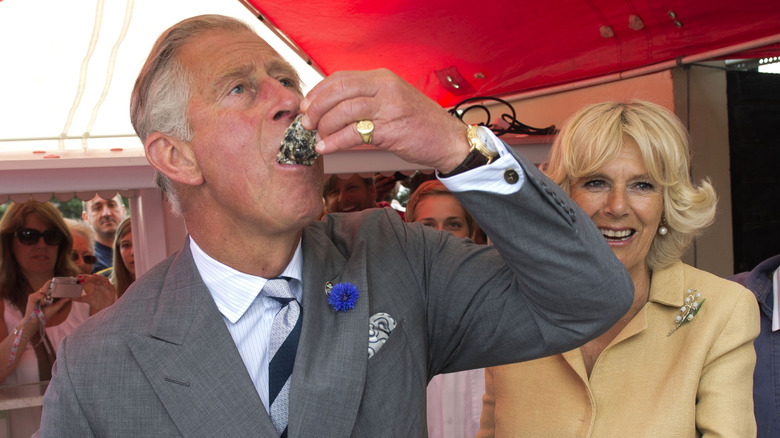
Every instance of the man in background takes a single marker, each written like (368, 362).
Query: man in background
(764, 282)
(104, 217)
(347, 195)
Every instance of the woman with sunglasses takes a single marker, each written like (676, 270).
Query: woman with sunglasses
(100, 293)
(83, 253)
(35, 245)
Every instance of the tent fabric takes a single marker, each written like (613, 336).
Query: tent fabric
(452, 50)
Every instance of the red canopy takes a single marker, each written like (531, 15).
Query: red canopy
(452, 50)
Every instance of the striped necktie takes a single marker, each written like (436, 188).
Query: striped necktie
(285, 331)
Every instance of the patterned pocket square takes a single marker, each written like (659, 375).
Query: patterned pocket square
(380, 326)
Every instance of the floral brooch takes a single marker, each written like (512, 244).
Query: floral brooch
(689, 309)
(341, 296)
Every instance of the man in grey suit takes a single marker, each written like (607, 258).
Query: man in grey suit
(185, 352)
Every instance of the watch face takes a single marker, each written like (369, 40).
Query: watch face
(365, 126)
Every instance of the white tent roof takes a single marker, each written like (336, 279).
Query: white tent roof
(69, 67)
(68, 71)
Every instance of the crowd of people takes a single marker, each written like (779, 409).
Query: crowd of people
(504, 300)
(38, 244)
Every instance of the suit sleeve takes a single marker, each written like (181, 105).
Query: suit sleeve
(724, 404)
(554, 284)
(62, 415)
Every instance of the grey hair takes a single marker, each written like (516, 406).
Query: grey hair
(83, 229)
(159, 99)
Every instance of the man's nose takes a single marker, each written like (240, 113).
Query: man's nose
(288, 101)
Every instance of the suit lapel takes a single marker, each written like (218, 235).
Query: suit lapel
(330, 365)
(192, 363)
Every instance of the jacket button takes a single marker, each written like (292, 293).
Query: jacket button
(510, 176)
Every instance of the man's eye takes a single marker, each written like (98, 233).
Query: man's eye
(238, 89)
(290, 83)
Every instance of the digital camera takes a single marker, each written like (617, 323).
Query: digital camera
(65, 287)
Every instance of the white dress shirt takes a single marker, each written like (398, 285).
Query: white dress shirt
(247, 314)
(455, 404)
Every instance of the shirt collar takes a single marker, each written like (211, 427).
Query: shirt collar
(234, 291)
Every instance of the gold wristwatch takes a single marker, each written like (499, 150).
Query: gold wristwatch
(479, 154)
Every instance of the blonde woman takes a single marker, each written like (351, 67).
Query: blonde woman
(680, 362)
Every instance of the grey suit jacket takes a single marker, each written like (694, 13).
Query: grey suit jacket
(161, 362)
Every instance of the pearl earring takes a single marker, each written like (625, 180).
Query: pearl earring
(662, 230)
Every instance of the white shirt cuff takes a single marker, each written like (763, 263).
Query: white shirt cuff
(503, 176)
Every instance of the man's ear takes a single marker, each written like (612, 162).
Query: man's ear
(174, 158)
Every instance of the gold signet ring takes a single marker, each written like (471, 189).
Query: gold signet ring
(366, 130)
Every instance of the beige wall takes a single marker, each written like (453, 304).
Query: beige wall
(701, 103)
(556, 108)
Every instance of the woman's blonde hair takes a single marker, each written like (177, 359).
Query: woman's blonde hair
(83, 229)
(595, 135)
(121, 278)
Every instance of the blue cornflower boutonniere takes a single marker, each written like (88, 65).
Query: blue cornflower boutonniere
(341, 296)
(689, 309)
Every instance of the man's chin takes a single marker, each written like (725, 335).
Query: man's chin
(108, 230)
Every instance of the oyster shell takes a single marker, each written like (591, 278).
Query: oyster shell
(297, 145)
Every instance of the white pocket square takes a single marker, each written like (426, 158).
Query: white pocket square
(380, 326)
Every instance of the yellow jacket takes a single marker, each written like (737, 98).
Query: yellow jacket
(698, 381)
